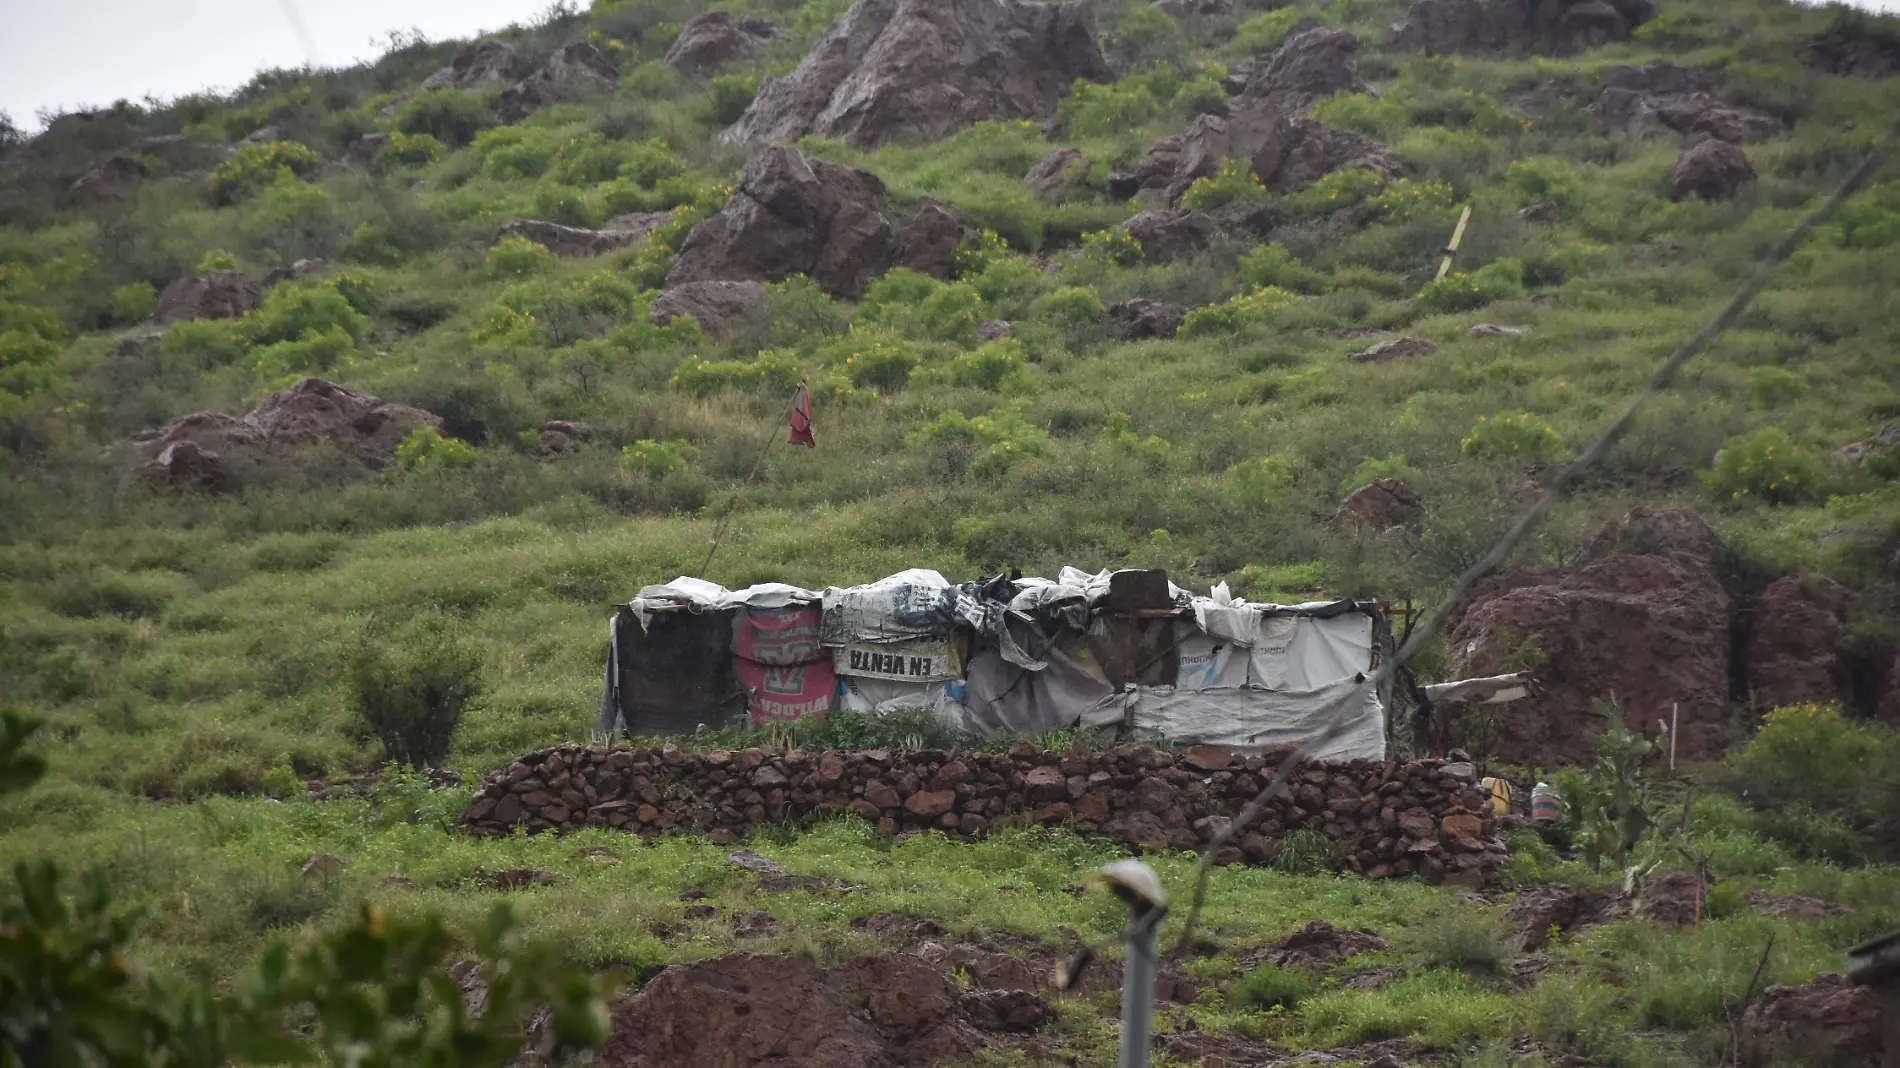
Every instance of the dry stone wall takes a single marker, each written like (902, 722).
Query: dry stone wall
(1384, 819)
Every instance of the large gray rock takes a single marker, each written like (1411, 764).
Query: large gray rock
(715, 306)
(186, 465)
(1056, 173)
(712, 40)
(1711, 169)
(916, 70)
(569, 241)
(117, 179)
(1171, 235)
(792, 215)
(572, 70)
(477, 66)
(932, 237)
(1140, 318)
(1663, 100)
(218, 295)
(1548, 27)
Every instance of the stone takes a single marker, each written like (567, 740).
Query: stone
(476, 66)
(1140, 318)
(792, 215)
(1676, 897)
(1462, 825)
(364, 150)
(1313, 947)
(187, 465)
(117, 179)
(1664, 100)
(1207, 758)
(1446, 27)
(1838, 1013)
(932, 237)
(137, 346)
(950, 776)
(1382, 504)
(740, 1010)
(881, 795)
(1673, 533)
(1792, 655)
(919, 70)
(1495, 330)
(1056, 173)
(1883, 445)
(572, 70)
(1046, 784)
(1544, 214)
(1854, 55)
(562, 435)
(508, 810)
(716, 306)
(357, 422)
(1399, 348)
(930, 803)
(994, 330)
(1710, 169)
(1296, 152)
(713, 40)
(217, 295)
(302, 268)
(1170, 235)
(568, 241)
(1152, 795)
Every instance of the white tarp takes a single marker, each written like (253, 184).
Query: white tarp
(1251, 720)
(686, 593)
(922, 660)
(1210, 663)
(882, 696)
(1300, 652)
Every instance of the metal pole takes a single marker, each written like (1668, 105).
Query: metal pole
(1138, 988)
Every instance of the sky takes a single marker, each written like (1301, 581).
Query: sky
(69, 54)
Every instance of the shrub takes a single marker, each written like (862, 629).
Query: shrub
(1273, 265)
(770, 372)
(1372, 469)
(1095, 110)
(1270, 986)
(1304, 852)
(1814, 757)
(727, 98)
(971, 259)
(1772, 387)
(1008, 285)
(1511, 437)
(301, 308)
(428, 449)
(872, 358)
(1463, 941)
(1070, 308)
(517, 257)
(1457, 291)
(1246, 312)
(1870, 220)
(1236, 181)
(412, 687)
(1155, 452)
(1266, 32)
(292, 217)
(989, 366)
(1290, 583)
(1257, 482)
(988, 444)
(1541, 178)
(133, 302)
(509, 153)
(656, 459)
(256, 167)
(320, 352)
(26, 362)
(1334, 192)
(216, 260)
(1765, 466)
(922, 307)
(449, 115)
(1381, 117)
(409, 150)
(1404, 198)
(1114, 246)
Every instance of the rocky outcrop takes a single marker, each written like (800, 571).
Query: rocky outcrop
(1855, 56)
(1650, 631)
(563, 435)
(1140, 318)
(364, 150)
(1546, 213)
(1056, 173)
(715, 306)
(181, 154)
(1398, 348)
(1385, 819)
(792, 215)
(1831, 1010)
(218, 295)
(1382, 504)
(713, 40)
(572, 70)
(356, 422)
(1674, 533)
(1663, 100)
(1792, 656)
(1166, 236)
(569, 241)
(1538, 911)
(932, 237)
(994, 330)
(209, 430)
(1883, 445)
(115, 180)
(187, 465)
(303, 268)
(479, 65)
(1711, 169)
(917, 70)
(1547, 27)
(1266, 124)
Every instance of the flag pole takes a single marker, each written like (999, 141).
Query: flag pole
(719, 532)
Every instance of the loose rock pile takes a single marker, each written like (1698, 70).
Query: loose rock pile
(1385, 819)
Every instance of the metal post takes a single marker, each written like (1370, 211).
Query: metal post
(1877, 965)
(1138, 987)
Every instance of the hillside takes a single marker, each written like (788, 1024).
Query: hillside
(447, 355)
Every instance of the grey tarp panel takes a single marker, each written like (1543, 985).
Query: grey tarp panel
(1249, 719)
(917, 603)
(1000, 695)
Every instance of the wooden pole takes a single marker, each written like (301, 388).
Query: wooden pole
(1451, 250)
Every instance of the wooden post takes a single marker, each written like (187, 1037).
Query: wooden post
(1451, 250)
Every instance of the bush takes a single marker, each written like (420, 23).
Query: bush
(971, 259)
(1814, 758)
(727, 98)
(1772, 387)
(409, 150)
(1095, 110)
(1765, 466)
(256, 167)
(411, 688)
(1069, 309)
(1372, 469)
(1156, 453)
(656, 459)
(770, 372)
(428, 449)
(1405, 198)
(1273, 265)
(988, 444)
(216, 260)
(1253, 483)
(1114, 246)
(133, 302)
(1870, 220)
(1511, 437)
(1269, 987)
(989, 365)
(1457, 291)
(449, 115)
(299, 309)
(517, 257)
(1463, 941)
(1236, 181)
(1266, 32)
(872, 358)
(921, 307)
(1249, 311)
(1008, 285)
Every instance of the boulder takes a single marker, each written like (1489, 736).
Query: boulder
(1495, 330)
(1711, 169)
(637, 223)
(1298, 152)
(1170, 235)
(1442, 28)
(137, 346)
(1663, 100)
(1544, 214)
(561, 435)
(1538, 911)
(1057, 173)
(1849, 55)
(218, 295)
(1838, 1013)
(714, 305)
(185, 465)
(918, 70)
(1446, 27)
(713, 40)
(1382, 503)
(303, 268)
(1139, 318)
(573, 69)
(118, 178)
(1315, 946)
(363, 150)
(1885, 444)
(568, 241)
(1791, 658)
(208, 430)
(1155, 171)
(994, 330)
(476, 66)
(356, 422)
(1651, 631)
(1398, 348)
(792, 215)
(932, 237)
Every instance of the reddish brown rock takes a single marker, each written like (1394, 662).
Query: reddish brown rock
(881, 795)
(740, 1010)
(1711, 169)
(1791, 648)
(1382, 503)
(930, 803)
(1315, 946)
(354, 421)
(218, 295)
(1207, 758)
(1830, 1009)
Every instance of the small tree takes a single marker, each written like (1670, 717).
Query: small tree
(1612, 805)
(411, 689)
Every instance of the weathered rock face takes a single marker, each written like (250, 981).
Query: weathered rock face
(1830, 1009)
(1884, 445)
(1139, 318)
(185, 465)
(1298, 152)
(793, 215)
(569, 241)
(917, 70)
(1398, 348)
(1791, 647)
(712, 40)
(180, 153)
(1652, 631)
(1544, 214)
(1866, 58)
(1676, 533)
(363, 150)
(561, 435)
(1170, 235)
(1710, 169)
(209, 430)
(1385, 819)
(1057, 173)
(572, 69)
(1548, 27)
(932, 237)
(477, 66)
(1315, 947)
(716, 306)
(1382, 503)
(218, 295)
(357, 422)
(114, 180)
(1662, 100)
(303, 268)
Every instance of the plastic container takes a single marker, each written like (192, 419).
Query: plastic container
(1500, 792)
(1545, 804)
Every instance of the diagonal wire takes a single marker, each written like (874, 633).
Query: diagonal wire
(302, 31)
(1555, 489)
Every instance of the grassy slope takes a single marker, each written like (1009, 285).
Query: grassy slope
(189, 651)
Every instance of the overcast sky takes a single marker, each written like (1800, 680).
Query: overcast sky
(68, 54)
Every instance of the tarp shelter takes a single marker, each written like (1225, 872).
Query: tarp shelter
(1123, 650)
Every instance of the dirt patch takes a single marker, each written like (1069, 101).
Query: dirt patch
(1314, 947)
(777, 878)
(1794, 906)
(895, 929)
(1536, 913)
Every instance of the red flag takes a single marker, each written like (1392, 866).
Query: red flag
(801, 418)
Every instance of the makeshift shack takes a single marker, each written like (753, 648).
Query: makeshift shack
(1126, 651)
